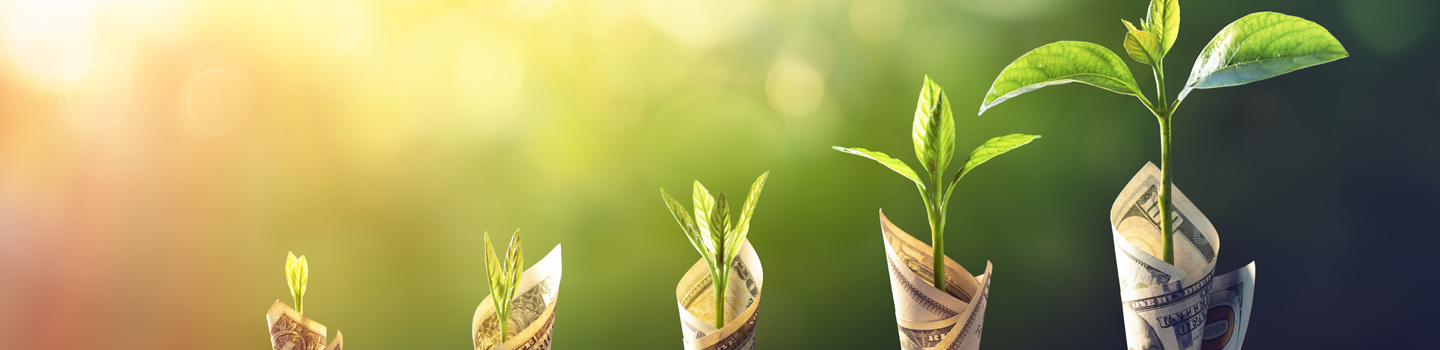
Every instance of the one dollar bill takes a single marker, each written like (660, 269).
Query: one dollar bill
(1178, 306)
(532, 312)
(927, 317)
(696, 301)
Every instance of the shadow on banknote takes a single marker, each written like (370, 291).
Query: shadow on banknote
(927, 317)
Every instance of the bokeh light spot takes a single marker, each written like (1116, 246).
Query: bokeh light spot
(877, 21)
(217, 101)
(98, 97)
(794, 88)
(488, 73)
(699, 23)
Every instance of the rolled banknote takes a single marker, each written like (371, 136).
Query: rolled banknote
(742, 300)
(1166, 305)
(532, 312)
(927, 317)
(289, 330)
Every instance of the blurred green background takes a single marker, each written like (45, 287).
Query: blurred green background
(382, 138)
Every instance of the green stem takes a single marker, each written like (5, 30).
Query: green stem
(720, 280)
(937, 230)
(504, 320)
(1167, 230)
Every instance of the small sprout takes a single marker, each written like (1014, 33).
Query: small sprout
(933, 134)
(297, 273)
(712, 234)
(504, 278)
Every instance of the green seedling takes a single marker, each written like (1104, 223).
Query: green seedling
(1255, 47)
(934, 136)
(297, 274)
(504, 278)
(712, 234)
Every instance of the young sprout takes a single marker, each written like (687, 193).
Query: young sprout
(934, 137)
(1255, 47)
(712, 234)
(504, 278)
(297, 273)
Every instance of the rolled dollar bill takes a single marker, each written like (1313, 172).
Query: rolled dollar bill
(532, 312)
(927, 317)
(696, 300)
(1166, 306)
(289, 330)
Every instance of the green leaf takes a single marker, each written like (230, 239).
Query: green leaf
(515, 263)
(494, 271)
(720, 221)
(934, 129)
(686, 224)
(1143, 47)
(894, 164)
(1129, 26)
(704, 204)
(742, 227)
(297, 275)
(1060, 63)
(988, 150)
(1163, 20)
(1260, 46)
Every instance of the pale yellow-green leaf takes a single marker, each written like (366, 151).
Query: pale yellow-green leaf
(1163, 20)
(933, 131)
(1143, 47)
(889, 162)
(742, 227)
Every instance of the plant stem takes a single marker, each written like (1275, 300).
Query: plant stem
(720, 301)
(1167, 230)
(503, 317)
(937, 230)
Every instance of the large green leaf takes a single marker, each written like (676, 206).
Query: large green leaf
(1143, 46)
(1260, 46)
(742, 226)
(1060, 63)
(934, 129)
(892, 163)
(988, 150)
(1163, 20)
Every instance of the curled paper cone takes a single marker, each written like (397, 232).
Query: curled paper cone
(289, 330)
(1175, 306)
(696, 300)
(927, 317)
(532, 312)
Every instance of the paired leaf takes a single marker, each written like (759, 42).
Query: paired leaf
(1163, 20)
(892, 163)
(742, 227)
(720, 223)
(515, 265)
(504, 276)
(495, 273)
(1060, 63)
(1260, 46)
(1143, 47)
(988, 150)
(297, 275)
(704, 203)
(934, 129)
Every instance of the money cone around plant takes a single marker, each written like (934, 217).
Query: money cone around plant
(719, 296)
(524, 300)
(938, 303)
(1165, 248)
(289, 328)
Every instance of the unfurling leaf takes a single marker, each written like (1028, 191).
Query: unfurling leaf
(934, 129)
(988, 150)
(504, 277)
(1143, 47)
(1163, 20)
(297, 274)
(892, 163)
(1060, 63)
(720, 223)
(1260, 46)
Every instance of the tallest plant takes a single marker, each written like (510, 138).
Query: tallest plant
(1255, 47)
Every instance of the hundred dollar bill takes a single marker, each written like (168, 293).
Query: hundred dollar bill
(532, 312)
(1166, 305)
(289, 330)
(927, 317)
(696, 300)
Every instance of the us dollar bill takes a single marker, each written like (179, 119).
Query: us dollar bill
(927, 317)
(696, 301)
(532, 312)
(289, 330)
(1167, 306)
